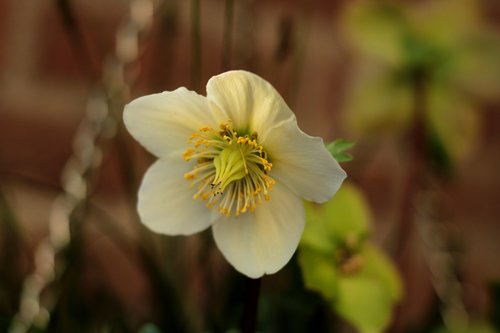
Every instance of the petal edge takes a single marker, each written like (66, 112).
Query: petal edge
(264, 241)
(165, 201)
(302, 163)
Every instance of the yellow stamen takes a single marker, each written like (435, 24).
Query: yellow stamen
(232, 170)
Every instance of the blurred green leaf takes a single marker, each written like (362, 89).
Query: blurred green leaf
(432, 21)
(375, 28)
(316, 233)
(348, 214)
(476, 68)
(454, 120)
(358, 280)
(345, 217)
(458, 53)
(378, 102)
(149, 328)
(494, 315)
(378, 265)
(365, 302)
(339, 148)
(319, 272)
(439, 159)
(366, 297)
(472, 328)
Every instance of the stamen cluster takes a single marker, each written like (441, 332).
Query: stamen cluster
(231, 171)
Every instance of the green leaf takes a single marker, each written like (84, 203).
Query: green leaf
(316, 233)
(366, 295)
(338, 150)
(455, 121)
(379, 266)
(364, 302)
(375, 29)
(348, 214)
(149, 328)
(346, 217)
(476, 68)
(477, 327)
(319, 272)
(366, 298)
(378, 102)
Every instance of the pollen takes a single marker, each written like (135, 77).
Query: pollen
(231, 172)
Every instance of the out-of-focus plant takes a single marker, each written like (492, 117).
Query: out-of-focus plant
(355, 277)
(421, 70)
(472, 328)
(444, 42)
(12, 253)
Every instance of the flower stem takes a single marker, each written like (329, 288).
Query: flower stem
(81, 49)
(417, 166)
(228, 30)
(417, 161)
(249, 322)
(196, 45)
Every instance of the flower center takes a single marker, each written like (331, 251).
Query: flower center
(232, 170)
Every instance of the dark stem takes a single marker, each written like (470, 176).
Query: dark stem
(249, 322)
(228, 29)
(416, 164)
(80, 48)
(417, 161)
(196, 45)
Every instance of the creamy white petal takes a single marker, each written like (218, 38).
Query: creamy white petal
(166, 203)
(302, 163)
(262, 242)
(251, 102)
(163, 122)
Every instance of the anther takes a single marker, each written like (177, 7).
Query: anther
(232, 170)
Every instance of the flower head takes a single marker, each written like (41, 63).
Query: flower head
(234, 160)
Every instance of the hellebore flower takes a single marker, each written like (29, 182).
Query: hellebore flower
(234, 160)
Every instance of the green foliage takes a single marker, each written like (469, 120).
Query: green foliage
(345, 217)
(394, 43)
(339, 148)
(364, 303)
(319, 273)
(358, 281)
(149, 328)
(495, 308)
(478, 327)
(379, 266)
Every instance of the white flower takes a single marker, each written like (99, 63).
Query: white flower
(234, 160)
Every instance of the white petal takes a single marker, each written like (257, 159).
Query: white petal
(262, 242)
(166, 203)
(302, 163)
(250, 102)
(163, 122)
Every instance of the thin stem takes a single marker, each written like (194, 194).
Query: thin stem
(196, 45)
(228, 31)
(301, 39)
(12, 257)
(416, 163)
(80, 47)
(249, 322)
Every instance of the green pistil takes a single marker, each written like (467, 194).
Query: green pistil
(229, 166)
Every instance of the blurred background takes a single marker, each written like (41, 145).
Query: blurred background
(416, 84)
